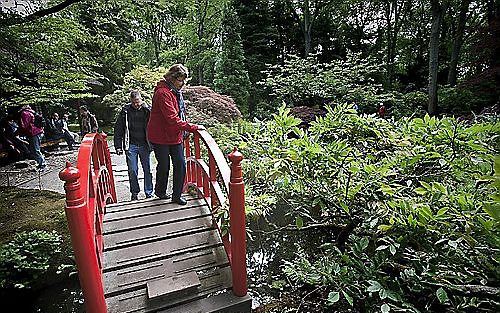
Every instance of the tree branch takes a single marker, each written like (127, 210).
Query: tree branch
(38, 14)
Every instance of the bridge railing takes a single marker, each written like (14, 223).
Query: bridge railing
(209, 173)
(89, 187)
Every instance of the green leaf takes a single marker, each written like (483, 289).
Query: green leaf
(392, 249)
(442, 295)
(385, 308)
(387, 189)
(363, 243)
(425, 185)
(493, 210)
(382, 294)
(384, 227)
(299, 222)
(374, 286)
(420, 190)
(333, 297)
(348, 298)
(439, 187)
(382, 247)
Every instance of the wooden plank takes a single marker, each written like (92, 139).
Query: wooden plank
(136, 276)
(161, 217)
(121, 206)
(137, 301)
(148, 208)
(224, 302)
(159, 250)
(173, 285)
(143, 235)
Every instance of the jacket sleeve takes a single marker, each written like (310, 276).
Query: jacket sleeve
(169, 112)
(119, 130)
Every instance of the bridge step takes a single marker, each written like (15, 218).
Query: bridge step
(169, 286)
(225, 302)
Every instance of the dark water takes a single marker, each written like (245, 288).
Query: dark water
(267, 250)
(62, 297)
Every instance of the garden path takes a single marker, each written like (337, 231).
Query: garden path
(48, 179)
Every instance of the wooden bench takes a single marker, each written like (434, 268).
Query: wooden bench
(45, 144)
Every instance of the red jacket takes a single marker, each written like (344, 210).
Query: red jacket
(165, 126)
(27, 125)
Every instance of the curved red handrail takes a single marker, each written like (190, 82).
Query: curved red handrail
(214, 180)
(89, 187)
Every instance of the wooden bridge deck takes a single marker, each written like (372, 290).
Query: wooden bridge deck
(162, 257)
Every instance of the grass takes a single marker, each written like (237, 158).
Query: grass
(27, 210)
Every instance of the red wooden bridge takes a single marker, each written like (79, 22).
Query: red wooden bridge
(154, 255)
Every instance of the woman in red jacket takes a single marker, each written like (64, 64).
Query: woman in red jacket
(166, 126)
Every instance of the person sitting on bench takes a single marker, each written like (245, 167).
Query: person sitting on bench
(55, 131)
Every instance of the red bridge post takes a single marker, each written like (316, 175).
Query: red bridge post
(237, 225)
(83, 241)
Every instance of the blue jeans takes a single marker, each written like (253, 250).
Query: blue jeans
(34, 147)
(163, 154)
(133, 154)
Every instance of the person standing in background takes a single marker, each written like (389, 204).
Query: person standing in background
(88, 123)
(33, 133)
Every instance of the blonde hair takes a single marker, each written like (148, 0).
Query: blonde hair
(176, 71)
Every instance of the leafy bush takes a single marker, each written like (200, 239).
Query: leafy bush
(411, 104)
(410, 201)
(27, 257)
(302, 81)
(461, 101)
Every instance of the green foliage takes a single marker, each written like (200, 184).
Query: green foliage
(27, 257)
(306, 81)
(41, 63)
(140, 78)
(231, 76)
(413, 200)
(412, 104)
(459, 101)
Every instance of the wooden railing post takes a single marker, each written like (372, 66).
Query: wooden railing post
(83, 241)
(237, 225)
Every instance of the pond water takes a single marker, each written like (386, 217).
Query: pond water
(65, 296)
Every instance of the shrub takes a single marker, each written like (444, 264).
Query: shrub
(27, 257)
(410, 207)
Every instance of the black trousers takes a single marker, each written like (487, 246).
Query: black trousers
(163, 154)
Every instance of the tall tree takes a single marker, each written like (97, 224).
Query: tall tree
(395, 14)
(458, 42)
(437, 11)
(231, 76)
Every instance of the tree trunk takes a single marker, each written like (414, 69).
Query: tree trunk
(457, 43)
(434, 56)
(307, 28)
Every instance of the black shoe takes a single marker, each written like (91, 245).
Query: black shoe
(133, 198)
(180, 200)
(162, 197)
(149, 196)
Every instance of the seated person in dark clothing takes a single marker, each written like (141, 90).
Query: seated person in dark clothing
(15, 146)
(55, 131)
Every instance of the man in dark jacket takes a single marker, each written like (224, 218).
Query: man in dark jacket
(55, 131)
(130, 136)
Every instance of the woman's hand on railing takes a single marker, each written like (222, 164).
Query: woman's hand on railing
(201, 127)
